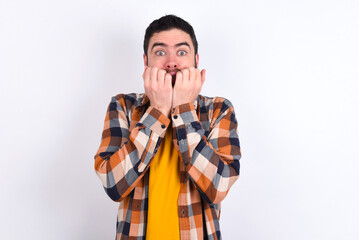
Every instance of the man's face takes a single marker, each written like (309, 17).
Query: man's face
(171, 50)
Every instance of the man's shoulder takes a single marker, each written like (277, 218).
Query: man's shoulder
(214, 102)
(129, 99)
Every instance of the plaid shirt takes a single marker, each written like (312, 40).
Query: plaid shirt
(205, 136)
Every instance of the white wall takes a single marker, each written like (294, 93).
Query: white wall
(289, 67)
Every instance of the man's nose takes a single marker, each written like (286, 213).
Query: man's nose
(171, 62)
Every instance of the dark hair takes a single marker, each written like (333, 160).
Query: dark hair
(169, 22)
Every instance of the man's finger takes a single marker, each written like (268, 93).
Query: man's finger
(168, 80)
(161, 77)
(179, 79)
(146, 76)
(153, 78)
(143, 74)
(192, 74)
(203, 75)
(185, 76)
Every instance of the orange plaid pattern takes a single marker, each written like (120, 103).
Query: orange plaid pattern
(205, 136)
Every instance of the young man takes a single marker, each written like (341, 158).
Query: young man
(169, 156)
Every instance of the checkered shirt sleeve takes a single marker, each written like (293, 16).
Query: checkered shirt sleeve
(124, 154)
(211, 158)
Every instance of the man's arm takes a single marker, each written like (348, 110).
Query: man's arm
(124, 156)
(212, 162)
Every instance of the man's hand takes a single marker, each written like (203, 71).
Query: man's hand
(188, 85)
(158, 88)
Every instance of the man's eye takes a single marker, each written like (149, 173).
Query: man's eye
(160, 53)
(182, 53)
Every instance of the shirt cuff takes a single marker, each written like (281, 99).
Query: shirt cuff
(184, 114)
(155, 120)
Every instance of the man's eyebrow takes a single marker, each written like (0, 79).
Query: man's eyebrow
(183, 43)
(158, 44)
(165, 45)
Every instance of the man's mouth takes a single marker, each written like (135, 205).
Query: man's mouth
(173, 74)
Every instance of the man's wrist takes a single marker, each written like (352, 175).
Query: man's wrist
(165, 112)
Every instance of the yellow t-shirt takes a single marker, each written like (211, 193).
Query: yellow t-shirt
(164, 187)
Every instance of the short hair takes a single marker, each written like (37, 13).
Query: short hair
(169, 22)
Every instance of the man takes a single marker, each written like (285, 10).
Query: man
(169, 156)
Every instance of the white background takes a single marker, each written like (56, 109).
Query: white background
(290, 69)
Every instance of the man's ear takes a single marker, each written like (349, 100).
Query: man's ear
(197, 59)
(145, 60)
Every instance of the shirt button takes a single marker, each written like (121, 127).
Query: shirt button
(163, 126)
(175, 116)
